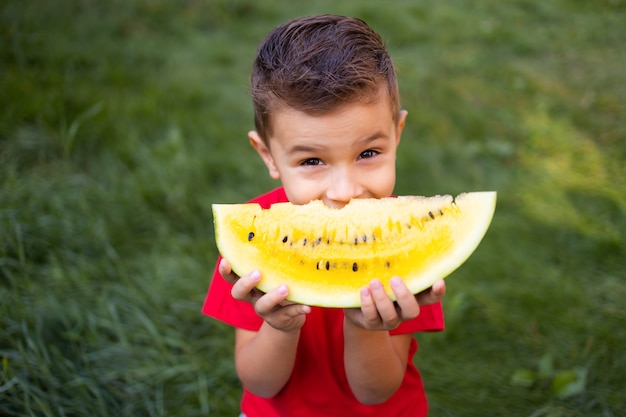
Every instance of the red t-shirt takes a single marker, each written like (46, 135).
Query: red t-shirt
(318, 384)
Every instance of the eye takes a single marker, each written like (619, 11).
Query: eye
(311, 162)
(370, 153)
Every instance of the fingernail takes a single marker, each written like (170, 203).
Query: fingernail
(376, 284)
(365, 292)
(255, 276)
(396, 282)
(283, 290)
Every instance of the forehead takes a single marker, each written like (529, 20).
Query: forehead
(349, 122)
(380, 105)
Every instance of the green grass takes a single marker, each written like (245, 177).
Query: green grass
(122, 122)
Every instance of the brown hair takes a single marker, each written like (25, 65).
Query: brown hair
(318, 63)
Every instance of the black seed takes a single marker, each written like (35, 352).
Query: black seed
(304, 242)
(285, 239)
(319, 240)
(327, 265)
(441, 212)
(430, 213)
(317, 265)
(355, 267)
(364, 238)
(387, 264)
(356, 240)
(250, 236)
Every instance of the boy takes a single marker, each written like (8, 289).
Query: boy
(328, 124)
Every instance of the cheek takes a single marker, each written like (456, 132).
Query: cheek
(299, 196)
(380, 182)
(383, 184)
(300, 191)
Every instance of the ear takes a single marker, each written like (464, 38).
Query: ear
(264, 152)
(401, 123)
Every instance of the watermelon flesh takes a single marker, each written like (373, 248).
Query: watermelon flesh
(327, 255)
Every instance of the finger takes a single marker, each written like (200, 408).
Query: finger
(226, 272)
(439, 289)
(295, 310)
(224, 266)
(287, 318)
(243, 287)
(407, 303)
(271, 300)
(432, 295)
(369, 312)
(385, 307)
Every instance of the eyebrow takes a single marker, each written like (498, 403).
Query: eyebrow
(303, 148)
(314, 148)
(372, 138)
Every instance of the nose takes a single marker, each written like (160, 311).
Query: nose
(343, 186)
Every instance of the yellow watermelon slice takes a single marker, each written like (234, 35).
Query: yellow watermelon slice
(327, 255)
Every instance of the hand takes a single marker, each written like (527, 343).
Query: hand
(379, 312)
(272, 306)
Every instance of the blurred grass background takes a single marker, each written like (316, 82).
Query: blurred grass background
(122, 121)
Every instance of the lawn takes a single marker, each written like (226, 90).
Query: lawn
(123, 121)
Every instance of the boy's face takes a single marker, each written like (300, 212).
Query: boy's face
(349, 153)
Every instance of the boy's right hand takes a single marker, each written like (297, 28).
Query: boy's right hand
(272, 306)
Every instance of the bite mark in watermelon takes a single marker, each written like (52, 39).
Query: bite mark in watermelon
(327, 255)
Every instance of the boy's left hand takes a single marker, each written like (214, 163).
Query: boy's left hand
(379, 312)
